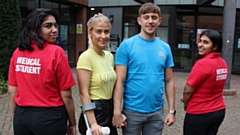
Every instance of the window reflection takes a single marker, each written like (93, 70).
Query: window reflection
(27, 6)
(131, 26)
(236, 49)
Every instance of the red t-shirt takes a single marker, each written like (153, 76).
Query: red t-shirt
(208, 77)
(40, 76)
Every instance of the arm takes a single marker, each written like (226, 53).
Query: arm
(170, 95)
(69, 105)
(83, 77)
(187, 94)
(12, 90)
(118, 118)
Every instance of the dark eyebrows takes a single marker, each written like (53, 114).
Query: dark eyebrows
(49, 23)
(204, 40)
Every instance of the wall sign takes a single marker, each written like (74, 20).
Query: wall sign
(79, 29)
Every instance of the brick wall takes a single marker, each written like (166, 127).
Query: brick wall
(81, 39)
(82, 2)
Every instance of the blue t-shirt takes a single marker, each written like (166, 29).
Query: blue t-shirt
(146, 61)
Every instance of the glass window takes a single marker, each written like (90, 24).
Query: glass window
(210, 17)
(130, 26)
(26, 6)
(130, 30)
(162, 31)
(183, 59)
(184, 38)
(94, 11)
(236, 63)
(49, 4)
(130, 15)
(165, 14)
(205, 21)
(64, 19)
(236, 49)
(67, 31)
(183, 52)
(185, 18)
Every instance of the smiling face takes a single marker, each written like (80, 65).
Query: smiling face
(149, 24)
(49, 29)
(205, 46)
(100, 34)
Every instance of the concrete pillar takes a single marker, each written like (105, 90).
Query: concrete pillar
(229, 17)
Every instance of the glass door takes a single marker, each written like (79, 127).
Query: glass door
(185, 39)
(68, 31)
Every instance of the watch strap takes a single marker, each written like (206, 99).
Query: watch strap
(172, 112)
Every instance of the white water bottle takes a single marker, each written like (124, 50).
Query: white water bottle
(105, 131)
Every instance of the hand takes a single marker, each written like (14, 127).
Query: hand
(124, 123)
(119, 120)
(71, 130)
(182, 99)
(185, 104)
(170, 119)
(96, 129)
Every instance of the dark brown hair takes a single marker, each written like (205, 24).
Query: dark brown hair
(149, 8)
(215, 37)
(32, 28)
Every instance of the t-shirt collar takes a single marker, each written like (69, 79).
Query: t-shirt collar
(212, 55)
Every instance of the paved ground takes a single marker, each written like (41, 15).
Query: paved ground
(230, 126)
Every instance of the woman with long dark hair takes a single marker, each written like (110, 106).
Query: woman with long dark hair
(40, 80)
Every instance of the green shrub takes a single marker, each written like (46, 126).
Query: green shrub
(3, 85)
(10, 26)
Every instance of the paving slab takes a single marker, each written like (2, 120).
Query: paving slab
(230, 125)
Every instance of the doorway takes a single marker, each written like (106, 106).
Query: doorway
(184, 47)
(189, 23)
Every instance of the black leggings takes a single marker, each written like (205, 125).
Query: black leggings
(103, 113)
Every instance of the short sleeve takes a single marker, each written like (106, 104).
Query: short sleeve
(197, 75)
(64, 74)
(12, 73)
(121, 57)
(169, 61)
(84, 62)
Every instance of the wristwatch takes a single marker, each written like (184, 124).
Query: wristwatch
(172, 112)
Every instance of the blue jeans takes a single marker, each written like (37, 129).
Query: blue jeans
(145, 123)
(203, 124)
(40, 120)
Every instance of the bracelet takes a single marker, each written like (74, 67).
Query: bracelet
(72, 125)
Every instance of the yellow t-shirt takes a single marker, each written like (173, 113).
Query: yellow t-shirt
(103, 75)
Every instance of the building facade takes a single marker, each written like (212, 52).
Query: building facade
(71, 24)
(183, 21)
